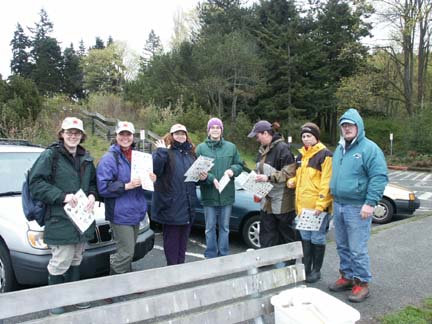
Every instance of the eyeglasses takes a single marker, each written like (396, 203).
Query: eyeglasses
(73, 133)
(346, 125)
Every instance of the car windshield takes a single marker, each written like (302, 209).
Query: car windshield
(13, 167)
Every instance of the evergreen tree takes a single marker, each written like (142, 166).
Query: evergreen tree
(72, 72)
(279, 31)
(47, 57)
(81, 50)
(110, 41)
(339, 28)
(153, 46)
(99, 43)
(23, 98)
(20, 63)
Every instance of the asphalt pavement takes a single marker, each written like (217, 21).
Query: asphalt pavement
(401, 262)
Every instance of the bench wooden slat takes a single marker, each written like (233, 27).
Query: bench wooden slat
(22, 302)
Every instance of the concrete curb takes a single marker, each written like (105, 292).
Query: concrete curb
(408, 168)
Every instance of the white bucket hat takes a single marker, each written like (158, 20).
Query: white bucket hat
(125, 126)
(72, 123)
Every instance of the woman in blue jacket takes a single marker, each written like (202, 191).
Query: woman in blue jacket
(174, 200)
(125, 204)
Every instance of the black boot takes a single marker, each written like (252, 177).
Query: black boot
(55, 280)
(73, 274)
(318, 258)
(307, 257)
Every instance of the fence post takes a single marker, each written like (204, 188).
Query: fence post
(93, 126)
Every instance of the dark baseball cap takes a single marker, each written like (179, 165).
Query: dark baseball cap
(259, 127)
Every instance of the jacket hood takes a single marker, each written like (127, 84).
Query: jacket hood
(353, 114)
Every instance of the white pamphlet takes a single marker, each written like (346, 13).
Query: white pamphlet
(141, 167)
(223, 182)
(308, 221)
(260, 189)
(79, 216)
(202, 164)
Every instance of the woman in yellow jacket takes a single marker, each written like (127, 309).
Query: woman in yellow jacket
(312, 180)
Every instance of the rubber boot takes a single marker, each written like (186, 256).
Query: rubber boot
(318, 258)
(73, 274)
(55, 280)
(307, 257)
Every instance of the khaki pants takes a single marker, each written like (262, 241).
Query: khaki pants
(64, 256)
(125, 236)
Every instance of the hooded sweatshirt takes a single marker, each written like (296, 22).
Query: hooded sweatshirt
(359, 170)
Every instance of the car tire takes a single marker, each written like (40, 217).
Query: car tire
(387, 212)
(250, 231)
(7, 277)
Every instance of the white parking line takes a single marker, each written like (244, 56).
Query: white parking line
(407, 176)
(198, 243)
(196, 255)
(425, 196)
(418, 176)
(426, 178)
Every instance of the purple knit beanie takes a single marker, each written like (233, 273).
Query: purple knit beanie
(214, 122)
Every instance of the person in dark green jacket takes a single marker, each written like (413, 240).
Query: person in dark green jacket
(56, 186)
(218, 205)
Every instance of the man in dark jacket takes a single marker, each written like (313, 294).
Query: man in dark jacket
(275, 164)
(218, 205)
(74, 170)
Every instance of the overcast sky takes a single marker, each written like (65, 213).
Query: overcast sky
(126, 20)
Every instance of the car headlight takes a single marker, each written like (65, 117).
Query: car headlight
(36, 240)
(145, 223)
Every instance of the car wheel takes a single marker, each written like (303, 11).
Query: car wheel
(383, 212)
(250, 232)
(7, 278)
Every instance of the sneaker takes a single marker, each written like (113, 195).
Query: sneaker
(341, 284)
(359, 292)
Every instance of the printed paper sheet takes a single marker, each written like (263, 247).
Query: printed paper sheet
(223, 182)
(202, 164)
(141, 166)
(308, 221)
(260, 189)
(78, 214)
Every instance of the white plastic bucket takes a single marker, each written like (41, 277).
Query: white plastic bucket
(304, 305)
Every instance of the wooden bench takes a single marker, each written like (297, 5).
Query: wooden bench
(230, 289)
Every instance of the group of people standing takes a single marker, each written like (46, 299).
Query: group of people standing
(349, 189)
(346, 184)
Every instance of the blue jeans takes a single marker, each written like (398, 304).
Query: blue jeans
(220, 216)
(317, 237)
(352, 235)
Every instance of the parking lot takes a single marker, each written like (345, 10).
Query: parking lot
(419, 182)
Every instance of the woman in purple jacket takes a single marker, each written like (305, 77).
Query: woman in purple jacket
(125, 204)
